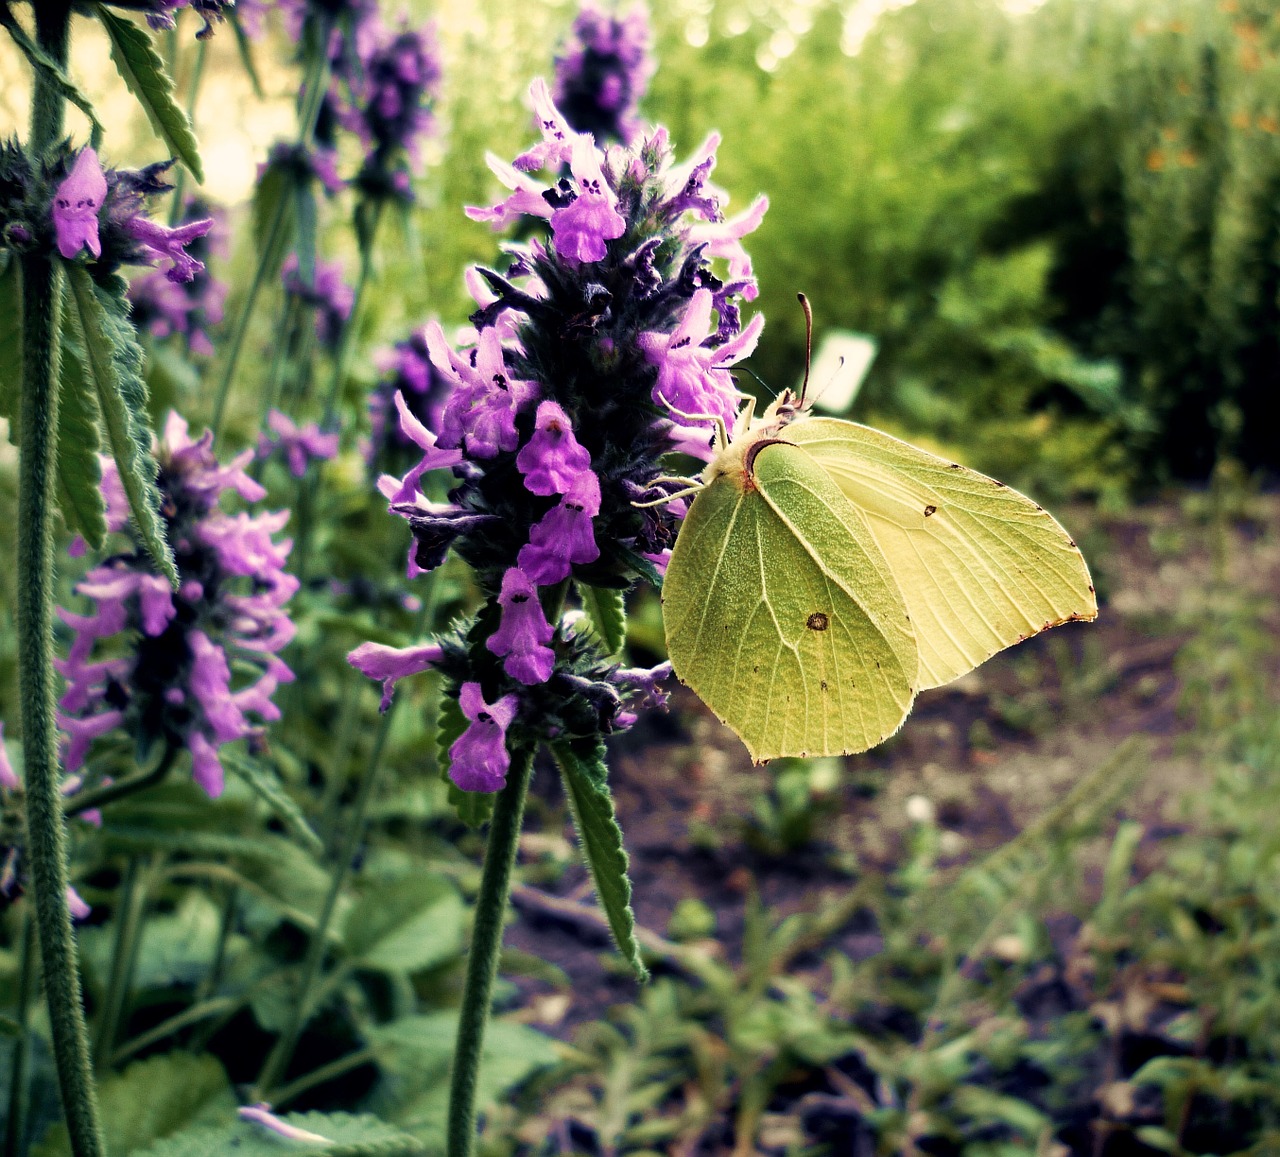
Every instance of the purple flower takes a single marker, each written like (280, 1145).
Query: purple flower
(478, 759)
(160, 13)
(523, 634)
(299, 446)
(602, 72)
(330, 296)
(481, 410)
(76, 204)
(693, 378)
(564, 535)
(552, 459)
(591, 218)
(389, 664)
(192, 666)
(163, 306)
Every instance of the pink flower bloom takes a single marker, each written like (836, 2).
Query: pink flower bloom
(390, 664)
(159, 242)
(552, 459)
(76, 204)
(478, 759)
(260, 1114)
(523, 633)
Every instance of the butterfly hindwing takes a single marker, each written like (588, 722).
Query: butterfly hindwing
(782, 615)
(981, 567)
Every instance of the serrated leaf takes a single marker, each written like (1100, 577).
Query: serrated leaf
(607, 611)
(79, 472)
(53, 73)
(583, 770)
(143, 73)
(345, 1135)
(10, 341)
(114, 364)
(474, 807)
(408, 925)
(266, 785)
(152, 1100)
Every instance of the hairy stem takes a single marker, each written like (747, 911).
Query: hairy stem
(482, 962)
(46, 828)
(13, 1128)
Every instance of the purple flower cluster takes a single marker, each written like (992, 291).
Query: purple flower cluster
(387, 105)
(593, 356)
(162, 307)
(602, 72)
(330, 296)
(169, 678)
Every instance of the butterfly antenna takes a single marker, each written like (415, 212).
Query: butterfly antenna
(808, 344)
(763, 384)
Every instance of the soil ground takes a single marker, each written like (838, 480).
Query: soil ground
(984, 756)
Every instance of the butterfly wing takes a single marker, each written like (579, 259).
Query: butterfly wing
(980, 566)
(782, 615)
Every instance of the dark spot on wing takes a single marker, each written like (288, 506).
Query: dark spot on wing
(928, 510)
(823, 684)
(817, 621)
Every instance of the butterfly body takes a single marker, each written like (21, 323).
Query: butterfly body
(827, 572)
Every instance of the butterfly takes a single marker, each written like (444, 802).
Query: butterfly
(826, 573)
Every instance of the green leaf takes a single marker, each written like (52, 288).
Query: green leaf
(273, 198)
(338, 1135)
(114, 363)
(266, 785)
(408, 925)
(607, 612)
(52, 72)
(416, 1051)
(583, 770)
(474, 807)
(79, 473)
(143, 73)
(304, 234)
(245, 49)
(152, 1100)
(10, 341)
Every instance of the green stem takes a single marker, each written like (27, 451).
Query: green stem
(197, 74)
(46, 829)
(482, 962)
(346, 340)
(205, 1010)
(324, 1073)
(18, 1059)
(282, 1053)
(128, 916)
(266, 261)
(314, 85)
(98, 797)
(213, 979)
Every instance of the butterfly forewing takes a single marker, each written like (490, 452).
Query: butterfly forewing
(980, 566)
(782, 615)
